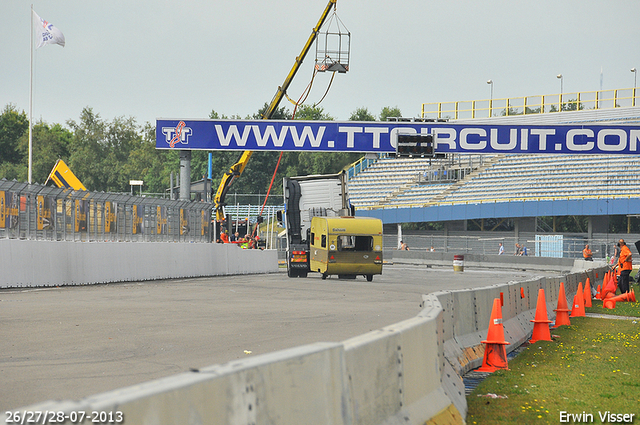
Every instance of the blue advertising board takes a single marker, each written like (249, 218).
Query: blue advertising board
(380, 137)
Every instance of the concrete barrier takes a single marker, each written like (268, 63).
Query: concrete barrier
(302, 385)
(29, 263)
(406, 373)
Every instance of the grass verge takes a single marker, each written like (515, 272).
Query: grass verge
(622, 308)
(590, 367)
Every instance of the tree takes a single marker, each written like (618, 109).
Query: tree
(572, 105)
(100, 151)
(362, 114)
(312, 113)
(88, 150)
(532, 110)
(389, 112)
(50, 143)
(151, 165)
(13, 125)
(215, 116)
(510, 111)
(278, 114)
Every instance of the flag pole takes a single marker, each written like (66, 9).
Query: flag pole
(31, 95)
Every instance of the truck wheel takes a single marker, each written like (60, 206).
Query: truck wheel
(324, 276)
(291, 273)
(369, 277)
(302, 274)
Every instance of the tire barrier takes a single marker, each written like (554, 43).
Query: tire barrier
(409, 372)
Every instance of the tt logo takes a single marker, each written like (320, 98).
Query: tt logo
(179, 134)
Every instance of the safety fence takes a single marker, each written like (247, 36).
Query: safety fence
(243, 217)
(39, 212)
(361, 165)
(525, 105)
(529, 244)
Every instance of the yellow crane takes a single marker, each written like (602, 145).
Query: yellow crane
(237, 168)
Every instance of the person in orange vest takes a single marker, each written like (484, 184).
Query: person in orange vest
(587, 254)
(625, 265)
(224, 237)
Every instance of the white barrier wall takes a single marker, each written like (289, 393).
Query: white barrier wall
(406, 373)
(50, 263)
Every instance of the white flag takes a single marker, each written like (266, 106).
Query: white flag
(46, 33)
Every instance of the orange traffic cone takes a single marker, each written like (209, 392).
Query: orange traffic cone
(587, 293)
(541, 321)
(598, 293)
(610, 286)
(626, 297)
(578, 303)
(609, 303)
(562, 312)
(605, 280)
(521, 292)
(495, 353)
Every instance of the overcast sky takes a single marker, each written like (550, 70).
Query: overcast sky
(180, 59)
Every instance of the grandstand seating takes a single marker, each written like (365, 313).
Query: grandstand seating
(393, 182)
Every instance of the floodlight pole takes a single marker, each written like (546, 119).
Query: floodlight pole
(31, 98)
(561, 90)
(635, 84)
(490, 82)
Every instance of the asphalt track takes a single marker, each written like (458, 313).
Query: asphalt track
(72, 342)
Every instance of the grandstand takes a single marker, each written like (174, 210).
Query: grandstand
(393, 182)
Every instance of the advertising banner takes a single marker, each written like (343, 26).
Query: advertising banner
(110, 217)
(138, 217)
(184, 222)
(161, 220)
(44, 215)
(204, 220)
(381, 137)
(9, 210)
(3, 209)
(81, 215)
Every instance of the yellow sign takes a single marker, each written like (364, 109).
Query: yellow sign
(161, 220)
(205, 223)
(81, 216)
(44, 213)
(184, 222)
(138, 216)
(109, 217)
(62, 176)
(3, 214)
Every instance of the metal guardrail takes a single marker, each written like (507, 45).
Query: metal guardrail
(493, 201)
(38, 212)
(526, 105)
(538, 245)
(251, 212)
(360, 165)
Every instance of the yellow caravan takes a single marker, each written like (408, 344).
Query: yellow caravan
(346, 246)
